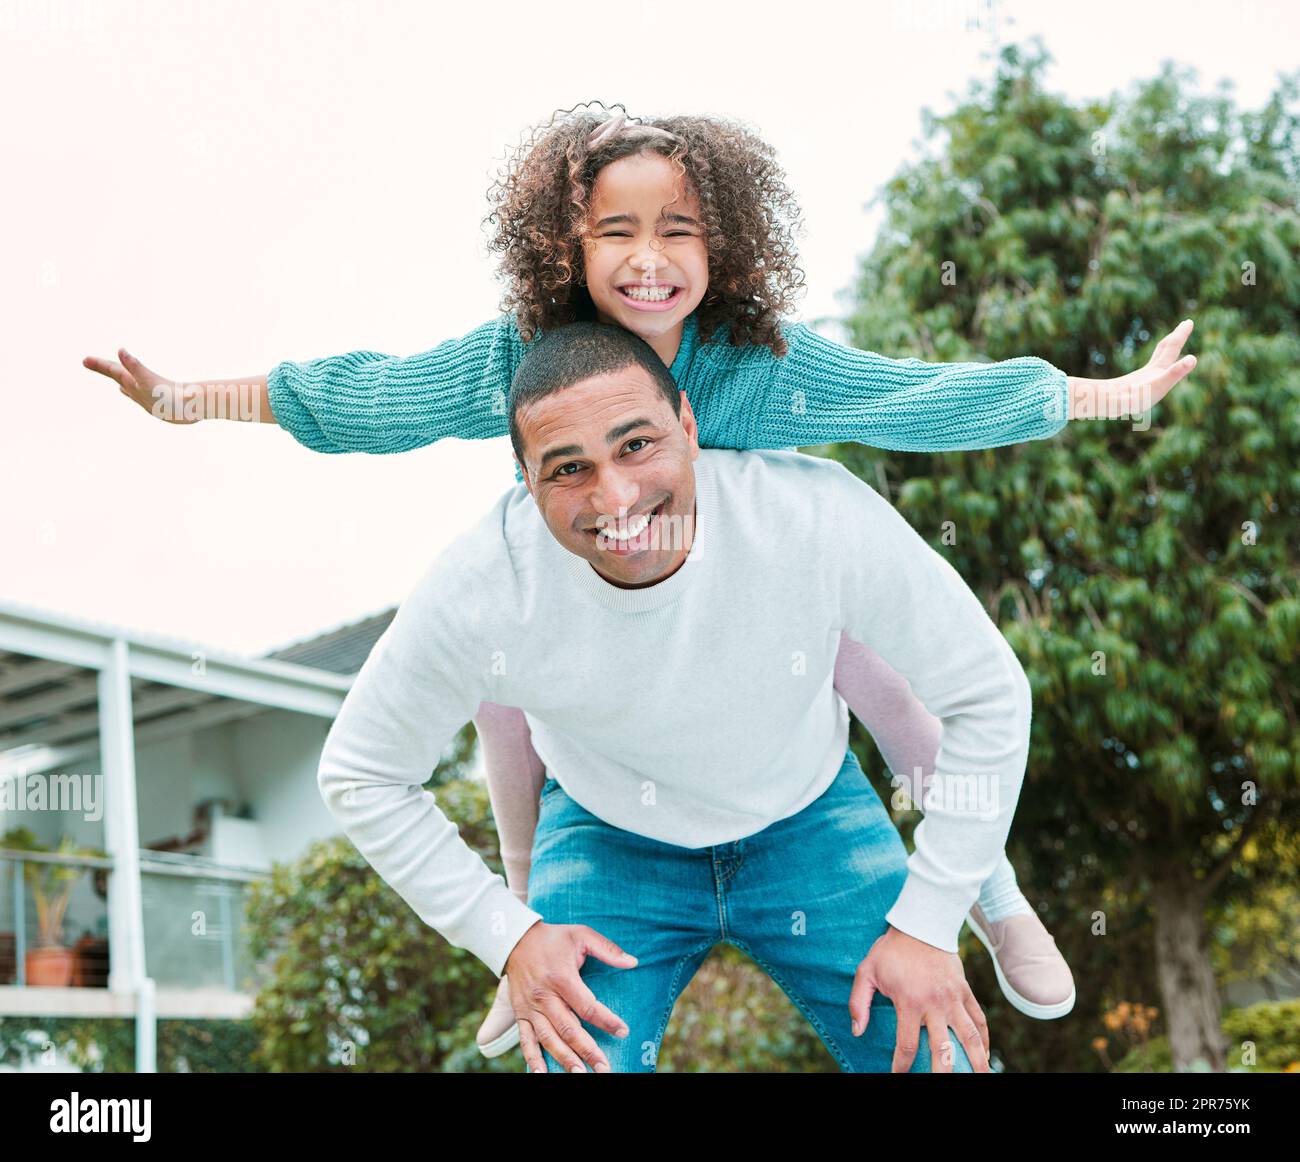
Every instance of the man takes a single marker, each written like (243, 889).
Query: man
(668, 619)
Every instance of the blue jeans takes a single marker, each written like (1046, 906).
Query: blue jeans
(805, 898)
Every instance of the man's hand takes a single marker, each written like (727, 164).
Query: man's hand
(551, 1000)
(1131, 395)
(928, 987)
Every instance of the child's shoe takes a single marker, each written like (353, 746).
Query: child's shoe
(1031, 971)
(499, 1032)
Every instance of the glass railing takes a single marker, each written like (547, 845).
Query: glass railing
(194, 921)
(53, 919)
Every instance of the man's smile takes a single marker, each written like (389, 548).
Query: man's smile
(633, 536)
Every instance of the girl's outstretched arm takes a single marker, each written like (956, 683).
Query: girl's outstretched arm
(361, 401)
(823, 392)
(1137, 392)
(176, 401)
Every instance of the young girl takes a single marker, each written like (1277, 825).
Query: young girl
(680, 230)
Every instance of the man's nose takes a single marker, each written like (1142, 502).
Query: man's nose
(616, 494)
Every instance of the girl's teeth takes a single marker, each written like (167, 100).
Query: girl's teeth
(655, 294)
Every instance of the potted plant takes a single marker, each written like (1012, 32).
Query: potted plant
(49, 963)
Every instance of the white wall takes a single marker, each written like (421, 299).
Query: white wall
(268, 761)
(275, 758)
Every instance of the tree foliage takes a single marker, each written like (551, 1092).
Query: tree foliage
(1147, 579)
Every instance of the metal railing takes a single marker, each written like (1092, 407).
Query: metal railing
(16, 898)
(193, 913)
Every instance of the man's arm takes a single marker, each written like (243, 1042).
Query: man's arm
(423, 681)
(910, 605)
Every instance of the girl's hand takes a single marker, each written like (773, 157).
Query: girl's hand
(1131, 395)
(160, 397)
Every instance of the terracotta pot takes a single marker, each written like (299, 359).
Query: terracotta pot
(51, 967)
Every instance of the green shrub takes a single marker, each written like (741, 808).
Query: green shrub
(1271, 1029)
(356, 981)
(107, 1045)
(733, 1018)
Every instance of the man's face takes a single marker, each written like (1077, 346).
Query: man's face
(601, 455)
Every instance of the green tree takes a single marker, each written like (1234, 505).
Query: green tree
(1258, 924)
(1147, 579)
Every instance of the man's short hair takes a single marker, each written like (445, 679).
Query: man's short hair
(566, 355)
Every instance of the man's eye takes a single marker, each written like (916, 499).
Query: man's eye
(638, 440)
(560, 471)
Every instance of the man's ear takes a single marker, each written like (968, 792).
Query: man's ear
(688, 423)
(523, 472)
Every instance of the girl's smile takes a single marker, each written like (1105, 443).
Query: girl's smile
(645, 297)
(647, 264)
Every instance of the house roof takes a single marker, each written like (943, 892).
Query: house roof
(51, 666)
(340, 651)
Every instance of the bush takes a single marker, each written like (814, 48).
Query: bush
(107, 1045)
(733, 1018)
(1269, 1030)
(356, 981)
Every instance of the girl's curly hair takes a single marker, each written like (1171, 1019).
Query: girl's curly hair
(541, 202)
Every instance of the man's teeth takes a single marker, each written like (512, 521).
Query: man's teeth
(649, 294)
(635, 527)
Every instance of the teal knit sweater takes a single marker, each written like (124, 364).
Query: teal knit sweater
(819, 392)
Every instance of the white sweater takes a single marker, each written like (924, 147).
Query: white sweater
(696, 711)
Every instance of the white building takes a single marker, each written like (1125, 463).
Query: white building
(191, 769)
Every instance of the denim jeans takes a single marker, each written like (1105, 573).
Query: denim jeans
(805, 898)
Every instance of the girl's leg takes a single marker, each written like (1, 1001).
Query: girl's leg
(908, 736)
(514, 780)
(515, 776)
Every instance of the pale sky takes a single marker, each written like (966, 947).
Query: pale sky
(220, 186)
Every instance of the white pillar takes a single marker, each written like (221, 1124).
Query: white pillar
(146, 1028)
(126, 972)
